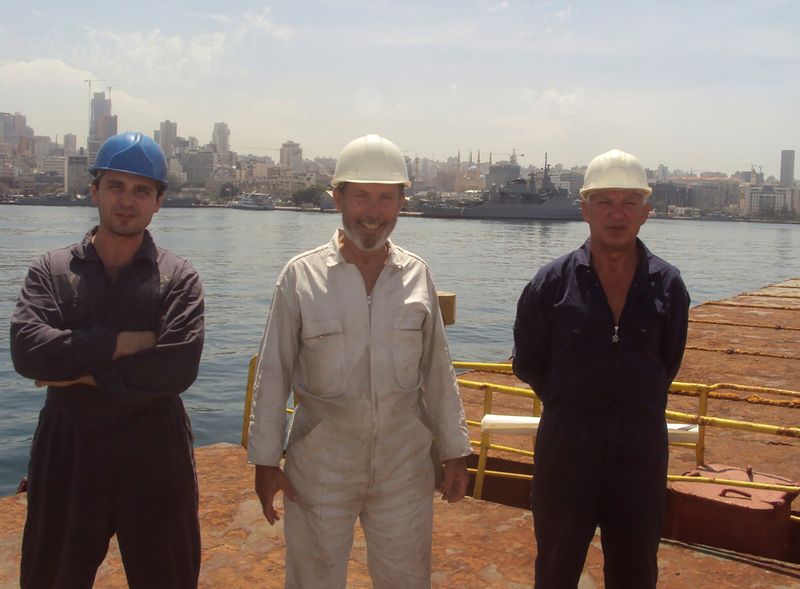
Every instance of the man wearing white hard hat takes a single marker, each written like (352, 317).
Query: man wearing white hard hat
(599, 335)
(355, 333)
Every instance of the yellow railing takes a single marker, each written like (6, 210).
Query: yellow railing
(702, 391)
(701, 419)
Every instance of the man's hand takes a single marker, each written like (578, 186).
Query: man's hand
(456, 478)
(132, 342)
(270, 480)
(87, 379)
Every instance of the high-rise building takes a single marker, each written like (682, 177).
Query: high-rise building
(167, 134)
(787, 167)
(220, 137)
(102, 124)
(5, 126)
(13, 128)
(70, 144)
(291, 156)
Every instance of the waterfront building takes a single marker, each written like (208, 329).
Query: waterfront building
(766, 200)
(787, 167)
(175, 169)
(220, 137)
(291, 156)
(198, 164)
(70, 144)
(76, 174)
(42, 147)
(53, 163)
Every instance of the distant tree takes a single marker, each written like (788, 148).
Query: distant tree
(227, 191)
(174, 182)
(308, 195)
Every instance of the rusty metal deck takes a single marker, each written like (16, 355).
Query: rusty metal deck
(752, 338)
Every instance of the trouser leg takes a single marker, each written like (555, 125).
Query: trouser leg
(398, 519)
(564, 526)
(156, 507)
(631, 531)
(68, 525)
(398, 529)
(318, 543)
(564, 501)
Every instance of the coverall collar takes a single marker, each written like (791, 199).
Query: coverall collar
(397, 257)
(86, 251)
(648, 263)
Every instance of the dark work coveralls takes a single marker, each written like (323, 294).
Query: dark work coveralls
(601, 449)
(116, 458)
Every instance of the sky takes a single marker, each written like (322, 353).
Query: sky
(703, 85)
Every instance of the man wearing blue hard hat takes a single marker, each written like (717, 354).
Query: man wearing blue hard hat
(113, 327)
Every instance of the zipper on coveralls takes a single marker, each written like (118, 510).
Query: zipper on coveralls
(615, 337)
(372, 400)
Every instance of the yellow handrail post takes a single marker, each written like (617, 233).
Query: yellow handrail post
(480, 471)
(248, 398)
(700, 447)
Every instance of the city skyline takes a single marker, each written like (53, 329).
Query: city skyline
(693, 87)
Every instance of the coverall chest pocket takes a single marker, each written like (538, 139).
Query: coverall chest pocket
(76, 313)
(649, 331)
(322, 357)
(407, 347)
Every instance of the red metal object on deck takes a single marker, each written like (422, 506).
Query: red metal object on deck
(754, 521)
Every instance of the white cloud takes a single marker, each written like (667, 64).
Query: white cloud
(260, 21)
(493, 5)
(562, 15)
(368, 101)
(551, 101)
(52, 94)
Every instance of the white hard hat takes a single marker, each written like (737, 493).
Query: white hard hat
(371, 159)
(615, 169)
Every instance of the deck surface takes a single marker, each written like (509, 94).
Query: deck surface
(752, 338)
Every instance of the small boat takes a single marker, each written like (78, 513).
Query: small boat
(253, 202)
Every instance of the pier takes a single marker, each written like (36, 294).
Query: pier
(750, 339)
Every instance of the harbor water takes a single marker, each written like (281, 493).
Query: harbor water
(240, 253)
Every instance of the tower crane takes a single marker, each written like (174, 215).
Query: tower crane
(512, 156)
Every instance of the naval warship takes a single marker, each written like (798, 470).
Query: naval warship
(517, 199)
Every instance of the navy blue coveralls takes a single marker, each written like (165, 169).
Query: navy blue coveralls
(116, 458)
(601, 449)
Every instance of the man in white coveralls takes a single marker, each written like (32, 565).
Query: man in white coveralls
(355, 332)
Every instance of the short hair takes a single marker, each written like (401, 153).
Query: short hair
(160, 187)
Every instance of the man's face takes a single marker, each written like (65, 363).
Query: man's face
(126, 202)
(369, 212)
(614, 217)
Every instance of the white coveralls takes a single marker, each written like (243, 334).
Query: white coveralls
(373, 381)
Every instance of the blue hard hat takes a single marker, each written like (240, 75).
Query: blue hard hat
(133, 153)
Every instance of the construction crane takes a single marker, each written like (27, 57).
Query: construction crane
(512, 156)
(109, 91)
(89, 82)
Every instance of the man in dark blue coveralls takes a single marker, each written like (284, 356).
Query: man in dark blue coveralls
(599, 335)
(113, 326)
